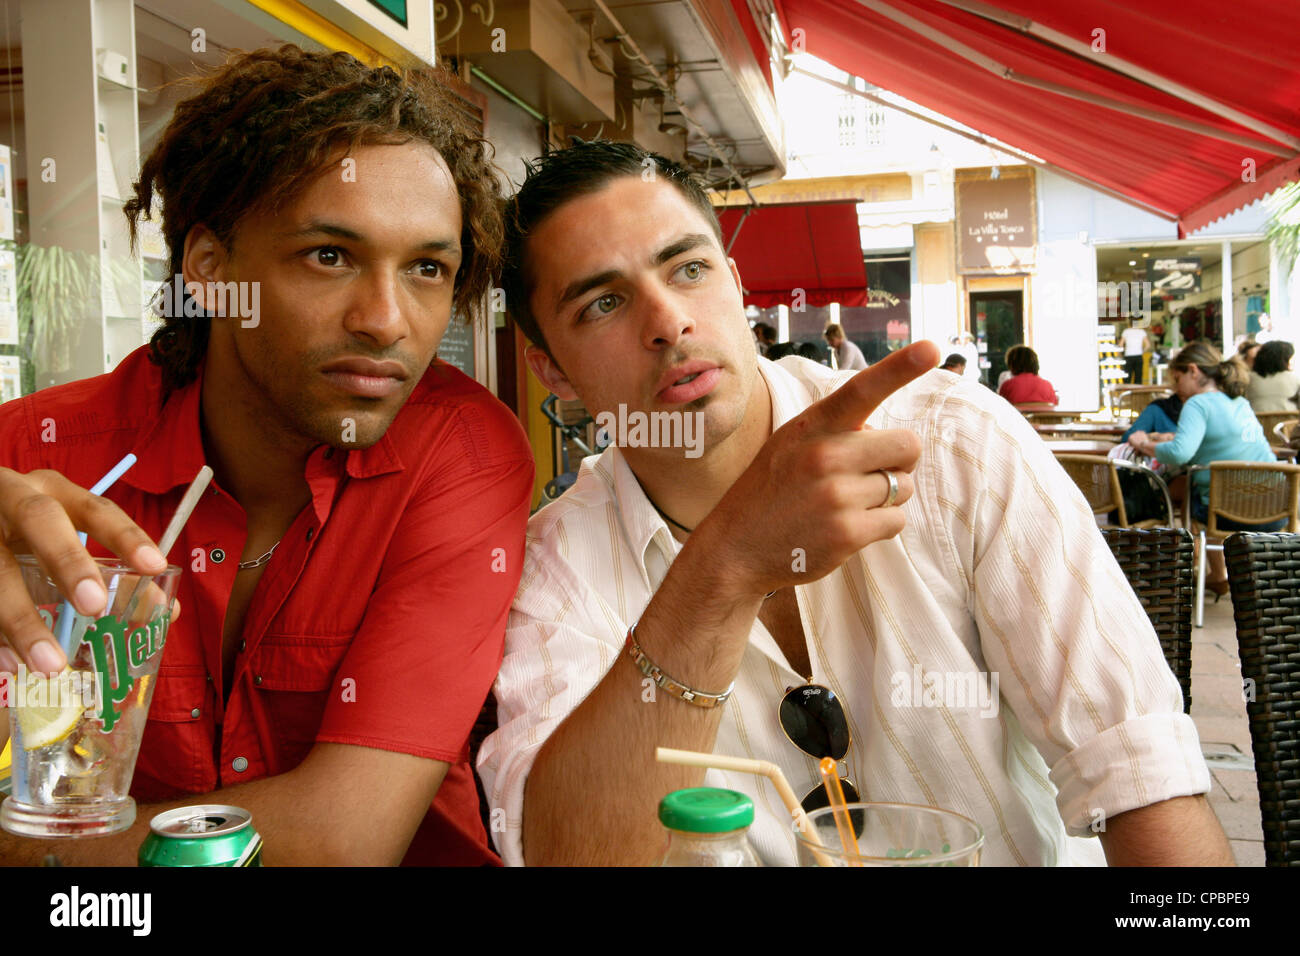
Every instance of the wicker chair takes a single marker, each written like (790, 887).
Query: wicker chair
(1247, 492)
(1158, 565)
(1098, 478)
(1284, 430)
(1270, 420)
(1264, 572)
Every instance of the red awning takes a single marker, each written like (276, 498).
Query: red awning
(813, 247)
(1240, 54)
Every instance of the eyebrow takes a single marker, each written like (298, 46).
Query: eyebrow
(318, 227)
(580, 287)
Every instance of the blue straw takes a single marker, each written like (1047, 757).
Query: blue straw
(67, 613)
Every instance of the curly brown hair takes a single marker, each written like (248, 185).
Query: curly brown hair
(259, 129)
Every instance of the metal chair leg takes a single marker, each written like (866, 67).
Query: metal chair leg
(1200, 581)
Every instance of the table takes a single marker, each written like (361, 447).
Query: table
(1081, 429)
(1080, 446)
(1043, 415)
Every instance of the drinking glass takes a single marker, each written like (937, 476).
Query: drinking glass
(75, 736)
(893, 834)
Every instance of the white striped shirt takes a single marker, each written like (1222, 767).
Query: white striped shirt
(999, 571)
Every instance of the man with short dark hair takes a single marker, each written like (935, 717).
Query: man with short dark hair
(885, 559)
(955, 363)
(347, 576)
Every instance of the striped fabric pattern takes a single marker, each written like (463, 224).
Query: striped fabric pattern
(1000, 573)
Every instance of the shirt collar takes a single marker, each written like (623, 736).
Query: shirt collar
(642, 524)
(170, 453)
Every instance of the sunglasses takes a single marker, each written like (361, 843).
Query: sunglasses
(813, 719)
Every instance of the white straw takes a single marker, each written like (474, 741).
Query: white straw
(763, 768)
(182, 515)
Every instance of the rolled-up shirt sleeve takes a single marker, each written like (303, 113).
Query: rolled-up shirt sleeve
(1079, 662)
(561, 640)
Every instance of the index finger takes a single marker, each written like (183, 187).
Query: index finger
(849, 405)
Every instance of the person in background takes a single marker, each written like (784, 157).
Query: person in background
(848, 356)
(1216, 424)
(1247, 351)
(954, 363)
(781, 350)
(1273, 386)
(1024, 385)
(765, 336)
(1136, 345)
(1265, 333)
(965, 346)
(809, 350)
(1161, 417)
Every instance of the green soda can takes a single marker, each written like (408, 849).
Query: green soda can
(204, 835)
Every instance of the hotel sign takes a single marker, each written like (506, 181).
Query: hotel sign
(997, 222)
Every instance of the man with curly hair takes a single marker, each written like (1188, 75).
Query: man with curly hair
(348, 574)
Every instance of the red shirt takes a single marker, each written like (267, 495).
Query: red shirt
(1027, 387)
(388, 589)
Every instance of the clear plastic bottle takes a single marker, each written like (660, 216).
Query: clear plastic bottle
(707, 827)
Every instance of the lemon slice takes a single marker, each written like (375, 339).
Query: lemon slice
(43, 726)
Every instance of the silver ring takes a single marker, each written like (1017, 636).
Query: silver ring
(893, 488)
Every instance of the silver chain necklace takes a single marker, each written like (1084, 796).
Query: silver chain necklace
(257, 563)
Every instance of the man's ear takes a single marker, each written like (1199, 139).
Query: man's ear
(549, 372)
(203, 262)
(735, 274)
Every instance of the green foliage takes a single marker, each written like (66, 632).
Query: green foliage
(57, 289)
(1284, 224)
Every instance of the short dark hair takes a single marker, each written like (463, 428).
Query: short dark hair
(1021, 359)
(563, 175)
(257, 131)
(956, 358)
(1273, 357)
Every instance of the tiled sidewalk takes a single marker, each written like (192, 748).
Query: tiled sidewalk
(1219, 711)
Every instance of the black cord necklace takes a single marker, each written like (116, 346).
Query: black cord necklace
(667, 517)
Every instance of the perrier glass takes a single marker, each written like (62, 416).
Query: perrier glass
(76, 735)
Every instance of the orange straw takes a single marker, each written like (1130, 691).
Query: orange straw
(839, 809)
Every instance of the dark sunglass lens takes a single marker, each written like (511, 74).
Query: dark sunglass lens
(818, 799)
(813, 718)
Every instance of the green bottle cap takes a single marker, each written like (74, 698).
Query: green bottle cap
(706, 810)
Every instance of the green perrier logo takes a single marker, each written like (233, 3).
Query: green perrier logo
(117, 652)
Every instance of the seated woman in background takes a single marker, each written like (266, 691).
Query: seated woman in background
(1024, 385)
(1161, 417)
(1247, 351)
(1215, 424)
(1273, 386)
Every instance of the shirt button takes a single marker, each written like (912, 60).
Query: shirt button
(239, 764)
(310, 532)
(258, 680)
(217, 555)
(242, 645)
(196, 713)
